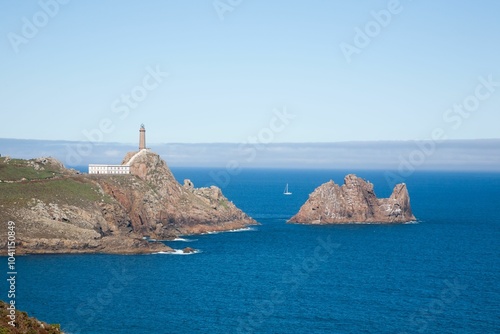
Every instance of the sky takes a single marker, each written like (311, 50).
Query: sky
(249, 71)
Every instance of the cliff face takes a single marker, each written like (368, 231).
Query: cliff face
(59, 211)
(160, 207)
(354, 202)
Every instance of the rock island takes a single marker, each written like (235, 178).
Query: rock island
(354, 202)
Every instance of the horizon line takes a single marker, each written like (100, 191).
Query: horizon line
(272, 143)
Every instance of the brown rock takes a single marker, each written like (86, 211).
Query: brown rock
(188, 184)
(188, 250)
(162, 208)
(354, 202)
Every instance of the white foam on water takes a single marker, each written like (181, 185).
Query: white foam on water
(244, 229)
(183, 240)
(177, 252)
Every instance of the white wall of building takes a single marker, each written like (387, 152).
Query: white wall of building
(109, 169)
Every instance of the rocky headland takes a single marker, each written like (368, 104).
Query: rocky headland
(58, 210)
(354, 202)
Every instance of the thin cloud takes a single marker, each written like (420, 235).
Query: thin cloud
(477, 155)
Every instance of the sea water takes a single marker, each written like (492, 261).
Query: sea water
(437, 275)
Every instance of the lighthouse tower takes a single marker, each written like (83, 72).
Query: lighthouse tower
(142, 137)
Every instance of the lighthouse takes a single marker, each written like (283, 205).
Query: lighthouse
(142, 137)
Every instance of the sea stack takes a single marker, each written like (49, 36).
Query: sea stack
(354, 202)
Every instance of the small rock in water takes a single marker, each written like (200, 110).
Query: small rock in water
(188, 250)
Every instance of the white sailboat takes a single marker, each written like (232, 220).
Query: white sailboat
(286, 192)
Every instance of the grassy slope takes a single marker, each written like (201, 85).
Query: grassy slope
(72, 190)
(16, 169)
(51, 185)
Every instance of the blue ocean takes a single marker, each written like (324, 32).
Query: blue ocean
(440, 274)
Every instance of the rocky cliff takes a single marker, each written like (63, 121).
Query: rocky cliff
(57, 210)
(160, 207)
(354, 202)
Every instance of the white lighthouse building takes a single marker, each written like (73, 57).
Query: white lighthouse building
(119, 169)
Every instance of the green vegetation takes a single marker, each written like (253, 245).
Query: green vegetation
(71, 190)
(24, 324)
(46, 181)
(223, 203)
(16, 169)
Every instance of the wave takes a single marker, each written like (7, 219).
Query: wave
(183, 240)
(244, 229)
(170, 240)
(177, 252)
